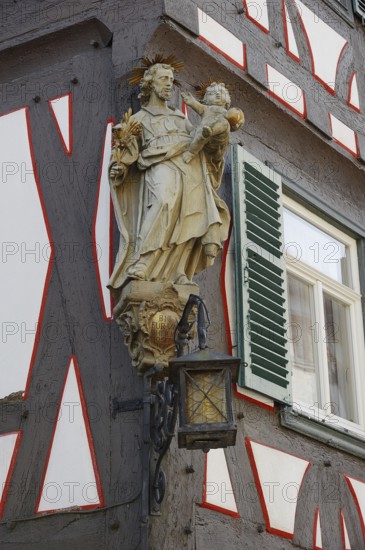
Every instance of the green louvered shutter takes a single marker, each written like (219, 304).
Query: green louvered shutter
(260, 288)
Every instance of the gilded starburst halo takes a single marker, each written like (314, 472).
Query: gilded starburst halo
(201, 88)
(138, 72)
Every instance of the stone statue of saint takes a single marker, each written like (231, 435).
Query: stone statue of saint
(171, 221)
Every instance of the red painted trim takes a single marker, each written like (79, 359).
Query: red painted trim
(89, 437)
(354, 496)
(251, 456)
(205, 479)
(10, 469)
(13, 111)
(252, 400)
(356, 155)
(51, 259)
(68, 151)
(315, 527)
(283, 102)
(214, 507)
(111, 251)
(223, 290)
(111, 231)
(357, 109)
(184, 109)
(250, 18)
(222, 53)
(286, 34)
(221, 510)
(324, 84)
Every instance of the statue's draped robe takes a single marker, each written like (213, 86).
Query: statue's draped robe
(166, 209)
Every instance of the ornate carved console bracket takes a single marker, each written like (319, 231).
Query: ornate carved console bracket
(148, 314)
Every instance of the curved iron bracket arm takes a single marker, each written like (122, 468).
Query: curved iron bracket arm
(184, 326)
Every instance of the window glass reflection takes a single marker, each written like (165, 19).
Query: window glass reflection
(305, 242)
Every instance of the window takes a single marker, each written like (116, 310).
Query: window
(298, 305)
(325, 335)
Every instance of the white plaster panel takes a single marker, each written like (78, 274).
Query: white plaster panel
(290, 38)
(344, 135)
(354, 100)
(318, 534)
(70, 478)
(280, 476)
(221, 39)
(7, 447)
(358, 488)
(61, 109)
(26, 253)
(102, 226)
(218, 489)
(257, 11)
(346, 541)
(325, 43)
(285, 90)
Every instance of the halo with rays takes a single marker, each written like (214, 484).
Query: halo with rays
(201, 88)
(138, 72)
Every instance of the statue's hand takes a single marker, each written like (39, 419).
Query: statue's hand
(114, 173)
(187, 97)
(187, 156)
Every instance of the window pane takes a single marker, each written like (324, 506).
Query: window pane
(307, 243)
(205, 397)
(301, 336)
(340, 367)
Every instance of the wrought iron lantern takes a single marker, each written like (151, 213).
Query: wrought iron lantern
(204, 379)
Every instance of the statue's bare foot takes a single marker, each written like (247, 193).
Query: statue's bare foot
(206, 131)
(138, 271)
(182, 280)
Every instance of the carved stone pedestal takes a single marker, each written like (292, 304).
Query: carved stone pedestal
(147, 314)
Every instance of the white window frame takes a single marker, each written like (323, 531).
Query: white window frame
(349, 296)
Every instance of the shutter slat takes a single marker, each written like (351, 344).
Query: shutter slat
(266, 312)
(261, 320)
(273, 225)
(267, 375)
(252, 174)
(269, 332)
(260, 278)
(271, 304)
(264, 263)
(265, 290)
(261, 361)
(271, 350)
(270, 246)
(261, 204)
(263, 235)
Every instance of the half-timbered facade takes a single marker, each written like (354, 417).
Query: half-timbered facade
(286, 295)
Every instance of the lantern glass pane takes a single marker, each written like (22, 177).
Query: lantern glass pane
(206, 401)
